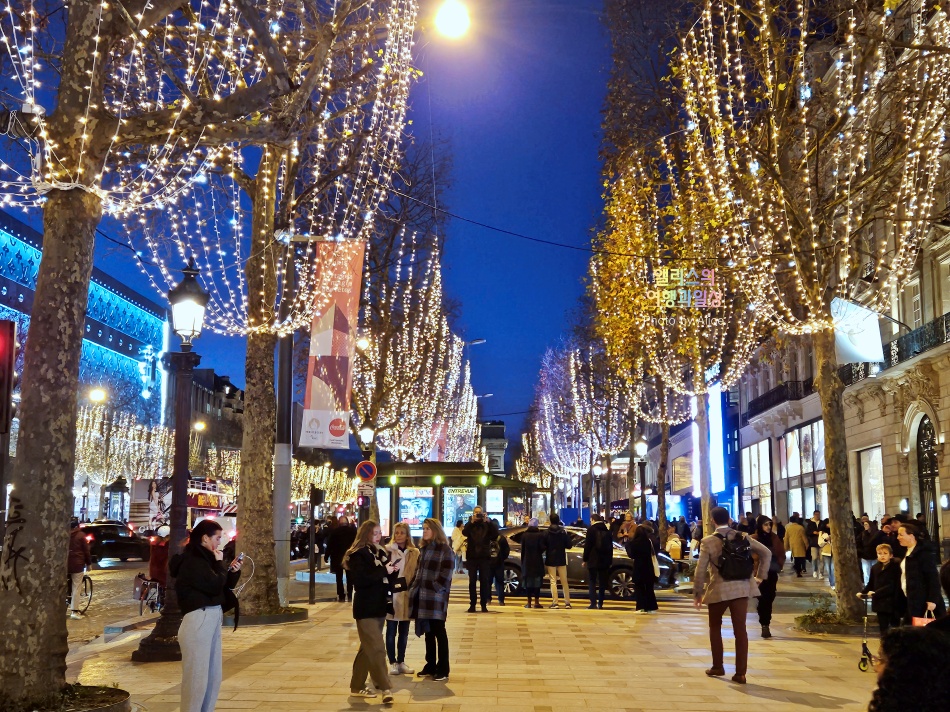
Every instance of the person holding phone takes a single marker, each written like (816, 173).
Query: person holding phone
(203, 584)
(371, 569)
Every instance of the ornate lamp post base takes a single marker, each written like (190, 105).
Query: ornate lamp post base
(161, 645)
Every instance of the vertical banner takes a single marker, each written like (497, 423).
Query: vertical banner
(326, 414)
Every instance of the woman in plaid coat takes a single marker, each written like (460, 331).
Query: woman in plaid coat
(429, 597)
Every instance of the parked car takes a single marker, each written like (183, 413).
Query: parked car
(620, 584)
(115, 540)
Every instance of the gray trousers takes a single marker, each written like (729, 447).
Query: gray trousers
(371, 657)
(200, 639)
(74, 601)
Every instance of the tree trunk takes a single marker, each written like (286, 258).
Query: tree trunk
(33, 570)
(841, 518)
(705, 467)
(256, 498)
(661, 481)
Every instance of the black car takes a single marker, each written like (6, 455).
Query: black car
(114, 540)
(621, 573)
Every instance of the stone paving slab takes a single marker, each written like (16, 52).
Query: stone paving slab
(515, 660)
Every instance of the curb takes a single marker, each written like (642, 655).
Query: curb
(113, 629)
(295, 615)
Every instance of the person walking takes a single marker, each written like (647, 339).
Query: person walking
(824, 547)
(640, 550)
(870, 539)
(919, 580)
(368, 565)
(458, 546)
(78, 561)
(405, 555)
(765, 535)
(730, 576)
(626, 528)
(797, 542)
(556, 543)
(598, 556)
(339, 540)
(884, 590)
(502, 550)
(532, 562)
(479, 535)
(429, 598)
(812, 530)
(203, 585)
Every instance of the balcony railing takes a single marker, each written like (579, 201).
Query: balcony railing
(788, 391)
(903, 348)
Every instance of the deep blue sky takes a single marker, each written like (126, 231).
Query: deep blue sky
(518, 102)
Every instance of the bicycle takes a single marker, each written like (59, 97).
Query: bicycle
(85, 596)
(152, 596)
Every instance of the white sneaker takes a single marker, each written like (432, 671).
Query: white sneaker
(365, 693)
(405, 669)
(394, 669)
(388, 698)
(815, 575)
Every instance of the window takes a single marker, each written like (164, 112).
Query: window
(871, 468)
(916, 317)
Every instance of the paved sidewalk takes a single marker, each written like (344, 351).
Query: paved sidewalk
(513, 660)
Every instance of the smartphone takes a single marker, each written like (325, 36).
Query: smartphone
(240, 557)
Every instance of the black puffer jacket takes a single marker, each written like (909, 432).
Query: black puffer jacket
(556, 543)
(201, 580)
(366, 568)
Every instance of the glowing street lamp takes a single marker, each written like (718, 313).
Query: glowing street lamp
(452, 19)
(97, 395)
(367, 433)
(200, 426)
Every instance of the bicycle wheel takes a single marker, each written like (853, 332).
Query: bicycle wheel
(85, 598)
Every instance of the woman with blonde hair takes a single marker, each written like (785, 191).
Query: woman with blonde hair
(369, 567)
(429, 598)
(404, 554)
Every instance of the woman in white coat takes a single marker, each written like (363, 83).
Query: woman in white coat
(404, 554)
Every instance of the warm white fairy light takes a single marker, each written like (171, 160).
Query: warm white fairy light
(825, 178)
(173, 173)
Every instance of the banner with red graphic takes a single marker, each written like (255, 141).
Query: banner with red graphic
(326, 413)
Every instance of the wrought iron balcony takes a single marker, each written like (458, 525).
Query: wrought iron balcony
(903, 348)
(784, 392)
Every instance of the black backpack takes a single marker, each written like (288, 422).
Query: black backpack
(735, 561)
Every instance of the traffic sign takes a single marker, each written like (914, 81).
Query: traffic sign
(366, 471)
(366, 489)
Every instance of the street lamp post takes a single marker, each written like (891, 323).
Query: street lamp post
(85, 501)
(188, 301)
(641, 448)
(597, 470)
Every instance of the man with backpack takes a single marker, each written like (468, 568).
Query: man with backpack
(730, 576)
(598, 556)
(479, 534)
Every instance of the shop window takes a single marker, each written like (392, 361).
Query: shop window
(871, 468)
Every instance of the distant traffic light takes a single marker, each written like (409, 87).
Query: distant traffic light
(8, 378)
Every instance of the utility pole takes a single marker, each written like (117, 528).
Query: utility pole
(283, 447)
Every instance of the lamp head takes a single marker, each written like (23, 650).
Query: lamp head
(452, 19)
(367, 433)
(188, 301)
(641, 447)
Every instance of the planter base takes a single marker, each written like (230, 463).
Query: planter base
(295, 615)
(832, 628)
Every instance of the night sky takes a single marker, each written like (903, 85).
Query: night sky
(518, 102)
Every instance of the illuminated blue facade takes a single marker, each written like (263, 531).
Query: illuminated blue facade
(124, 332)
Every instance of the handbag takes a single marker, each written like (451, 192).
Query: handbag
(656, 564)
(926, 620)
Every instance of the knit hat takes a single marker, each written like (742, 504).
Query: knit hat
(533, 522)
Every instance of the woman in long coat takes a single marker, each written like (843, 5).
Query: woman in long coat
(429, 597)
(919, 578)
(533, 545)
(404, 554)
(640, 549)
(765, 535)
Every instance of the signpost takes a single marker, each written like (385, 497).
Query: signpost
(366, 471)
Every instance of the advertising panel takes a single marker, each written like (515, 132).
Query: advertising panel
(495, 501)
(415, 506)
(457, 503)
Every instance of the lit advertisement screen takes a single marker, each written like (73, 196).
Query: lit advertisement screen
(415, 506)
(457, 503)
